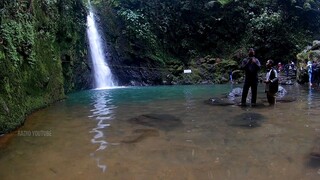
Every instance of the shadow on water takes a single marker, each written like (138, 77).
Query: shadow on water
(102, 113)
(247, 120)
(313, 163)
(165, 122)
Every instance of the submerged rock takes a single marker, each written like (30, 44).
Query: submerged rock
(220, 101)
(233, 98)
(140, 134)
(164, 122)
(247, 120)
(314, 156)
(285, 99)
(315, 153)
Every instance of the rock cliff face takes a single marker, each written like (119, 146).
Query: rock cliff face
(134, 63)
(130, 69)
(131, 62)
(42, 56)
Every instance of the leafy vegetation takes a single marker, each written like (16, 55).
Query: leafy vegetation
(177, 33)
(35, 38)
(187, 28)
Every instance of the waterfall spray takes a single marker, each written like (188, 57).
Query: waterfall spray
(102, 73)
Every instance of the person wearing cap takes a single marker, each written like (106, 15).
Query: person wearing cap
(251, 66)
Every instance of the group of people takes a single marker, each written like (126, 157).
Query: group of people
(290, 67)
(251, 65)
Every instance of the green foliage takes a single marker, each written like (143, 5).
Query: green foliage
(224, 2)
(138, 27)
(106, 3)
(187, 28)
(71, 40)
(157, 31)
(2, 56)
(302, 57)
(33, 38)
(266, 21)
(18, 35)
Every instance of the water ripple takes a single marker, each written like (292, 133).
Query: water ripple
(102, 113)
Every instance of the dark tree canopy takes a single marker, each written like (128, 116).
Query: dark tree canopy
(184, 28)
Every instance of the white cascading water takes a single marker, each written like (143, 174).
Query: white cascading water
(102, 73)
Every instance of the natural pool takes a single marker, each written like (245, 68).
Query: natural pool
(166, 132)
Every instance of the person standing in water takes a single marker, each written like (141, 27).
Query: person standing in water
(230, 76)
(251, 65)
(271, 81)
(309, 67)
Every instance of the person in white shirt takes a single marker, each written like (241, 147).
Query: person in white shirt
(272, 83)
(309, 66)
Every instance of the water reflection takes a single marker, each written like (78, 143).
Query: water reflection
(102, 113)
(189, 104)
(310, 98)
(313, 98)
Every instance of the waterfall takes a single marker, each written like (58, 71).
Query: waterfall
(102, 73)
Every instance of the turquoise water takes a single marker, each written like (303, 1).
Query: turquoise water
(106, 134)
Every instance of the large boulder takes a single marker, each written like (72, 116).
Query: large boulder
(315, 45)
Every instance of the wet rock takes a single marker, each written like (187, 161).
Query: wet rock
(164, 122)
(281, 92)
(286, 82)
(140, 134)
(236, 92)
(315, 44)
(220, 102)
(247, 120)
(233, 98)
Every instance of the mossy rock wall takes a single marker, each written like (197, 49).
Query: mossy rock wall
(42, 54)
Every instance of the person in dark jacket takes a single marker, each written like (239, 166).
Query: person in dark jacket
(271, 81)
(251, 65)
